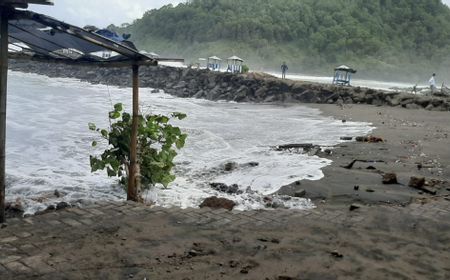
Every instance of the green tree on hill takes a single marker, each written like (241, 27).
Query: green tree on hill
(386, 35)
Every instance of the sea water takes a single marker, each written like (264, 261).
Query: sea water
(373, 84)
(49, 143)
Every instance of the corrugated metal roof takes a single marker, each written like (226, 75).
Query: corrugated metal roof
(42, 37)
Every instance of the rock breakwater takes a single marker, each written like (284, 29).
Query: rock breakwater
(251, 87)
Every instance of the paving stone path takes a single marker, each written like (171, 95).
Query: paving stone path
(46, 246)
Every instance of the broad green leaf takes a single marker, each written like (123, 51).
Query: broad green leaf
(179, 116)
(118, 107)
(104, 133)
(163, 119)
(92, 126)
(114, 115)
(126, 117)
(179, 143)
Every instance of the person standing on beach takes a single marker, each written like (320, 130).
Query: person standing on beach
(432, 83)
(284, 69)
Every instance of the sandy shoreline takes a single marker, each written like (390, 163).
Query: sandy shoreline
(416, 144)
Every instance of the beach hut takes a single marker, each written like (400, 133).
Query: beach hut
(202, 63)
(234, 64)
(343, 75)
(214, 63)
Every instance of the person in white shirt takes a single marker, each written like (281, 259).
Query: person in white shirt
(432, 83)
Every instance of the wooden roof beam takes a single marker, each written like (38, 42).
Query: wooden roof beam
(24, 3)
(106, 64)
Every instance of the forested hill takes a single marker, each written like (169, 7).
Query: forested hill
(376, 36)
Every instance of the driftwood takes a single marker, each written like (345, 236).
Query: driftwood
(419, 184)
(305, 147)
(350, 165)
(369, 139)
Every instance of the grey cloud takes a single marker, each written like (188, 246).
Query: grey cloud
(100, 12)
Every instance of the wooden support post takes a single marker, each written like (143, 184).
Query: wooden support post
(132, 179)
(3, 94)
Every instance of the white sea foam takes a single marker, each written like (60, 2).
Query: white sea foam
(380, 85)
(48, 144)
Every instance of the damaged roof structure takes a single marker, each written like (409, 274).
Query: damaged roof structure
(28, 35)
(39, 37)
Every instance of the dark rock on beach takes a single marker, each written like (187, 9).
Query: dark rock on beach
(390, 179)
(354, 207)
(232, 189)
(230, 166)
(419, 183)
(51, 208)
(14, 209)
(416, 182)
(309, 149)
(217, 203)
(251, 164)
(300, 193)
(62, 205)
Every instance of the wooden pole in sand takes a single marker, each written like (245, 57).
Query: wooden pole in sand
(132, 182)
(3, 94)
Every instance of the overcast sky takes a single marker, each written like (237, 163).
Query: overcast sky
(104, 12)
(100, 12)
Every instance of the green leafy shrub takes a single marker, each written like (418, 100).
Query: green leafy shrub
(245, 69)
(157, 142)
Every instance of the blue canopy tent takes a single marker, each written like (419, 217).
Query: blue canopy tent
(28, 35)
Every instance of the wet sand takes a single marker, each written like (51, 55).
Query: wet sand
(415, 143)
